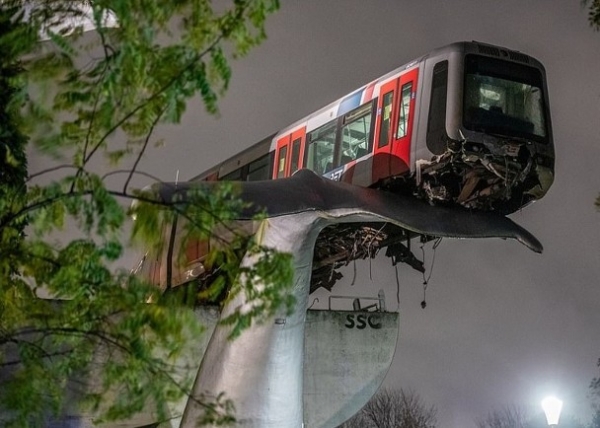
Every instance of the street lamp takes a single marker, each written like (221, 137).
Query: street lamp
(552, 407)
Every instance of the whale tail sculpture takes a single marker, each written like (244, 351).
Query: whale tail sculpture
(317, 368)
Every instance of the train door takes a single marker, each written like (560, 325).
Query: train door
(385, 117)
(289, 153)
(395, 111)
(405, 112)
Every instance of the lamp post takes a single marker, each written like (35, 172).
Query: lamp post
(552, 407)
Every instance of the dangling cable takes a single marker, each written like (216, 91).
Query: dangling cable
(369, 251)
(397, 288)
(424, 301)
(426, 280)
(354, 277)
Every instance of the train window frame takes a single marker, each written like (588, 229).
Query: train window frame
(436, 117)
(282, 161)
(235, 175)
(385, 127)
(497, 83)
(295, 155)
(313, 138)
(404, 107)
(353, 153)
(262, 163)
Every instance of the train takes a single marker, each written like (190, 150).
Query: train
(467, 124)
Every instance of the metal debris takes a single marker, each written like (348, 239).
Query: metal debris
(494, 176)
(340, 244)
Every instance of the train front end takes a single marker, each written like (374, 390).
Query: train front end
(488, 131)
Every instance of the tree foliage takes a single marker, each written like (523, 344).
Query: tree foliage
(593, 13)
(391, 408)
(78, 96)
(12, 146)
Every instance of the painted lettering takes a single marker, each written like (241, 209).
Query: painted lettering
(361, 321)
(375, 322)
(349, 321)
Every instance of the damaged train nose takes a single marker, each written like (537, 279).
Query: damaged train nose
(502, 176)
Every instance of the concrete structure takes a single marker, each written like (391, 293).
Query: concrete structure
(346, 357)
(265, 369)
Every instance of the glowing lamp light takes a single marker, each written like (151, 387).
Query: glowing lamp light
(552, 407)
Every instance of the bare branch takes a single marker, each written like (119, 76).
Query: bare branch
(49, 170)
(141, 153)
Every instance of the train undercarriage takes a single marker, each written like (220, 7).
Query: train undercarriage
(480, 176)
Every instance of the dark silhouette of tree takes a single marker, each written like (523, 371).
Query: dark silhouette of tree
(391, 408)
(593, 13)
(13, 162)
(506, 417)
(519, 417)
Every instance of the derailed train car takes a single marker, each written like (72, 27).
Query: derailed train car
(467, 124)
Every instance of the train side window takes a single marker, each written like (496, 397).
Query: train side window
(386, 119)
(356, 133)
(196, 249)
(259, 169)
(296, 144)
(404, 115)
(436, 122)
(281, 162)
(321, 147)
(235, 175)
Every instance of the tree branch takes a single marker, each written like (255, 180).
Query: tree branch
(130, 171)
(48, 170)
(141, 153)
(174, 79)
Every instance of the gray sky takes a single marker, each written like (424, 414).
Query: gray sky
(503, 325)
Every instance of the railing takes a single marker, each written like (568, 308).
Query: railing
(378, 306)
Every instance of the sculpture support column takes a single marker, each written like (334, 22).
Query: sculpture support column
(262, 370)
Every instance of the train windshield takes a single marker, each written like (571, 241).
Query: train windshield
(505, 98)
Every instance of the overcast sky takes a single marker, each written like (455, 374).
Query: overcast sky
(503, 325)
